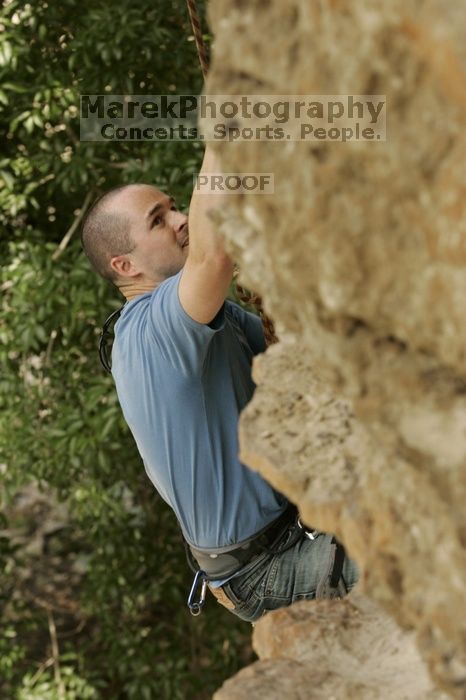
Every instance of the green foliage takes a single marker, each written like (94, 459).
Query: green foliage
(70, 686)
(123, 628)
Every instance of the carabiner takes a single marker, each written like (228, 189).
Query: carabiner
(196, 607)
(310, 534)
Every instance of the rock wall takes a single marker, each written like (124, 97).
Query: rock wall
(360, 256)
(345, 649)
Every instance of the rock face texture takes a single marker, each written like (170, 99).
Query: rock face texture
(360, 256)
(345, 649)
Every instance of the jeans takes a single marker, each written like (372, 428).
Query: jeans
(274, 581)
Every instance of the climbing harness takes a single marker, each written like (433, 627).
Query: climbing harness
(250, 299)
(209, 565)
(222, 562)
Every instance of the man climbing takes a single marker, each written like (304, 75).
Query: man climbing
(181, 362)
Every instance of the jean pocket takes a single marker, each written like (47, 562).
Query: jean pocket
(248, 582)
(248, 609)
(232, 595)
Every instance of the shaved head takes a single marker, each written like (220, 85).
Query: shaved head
(106, 232)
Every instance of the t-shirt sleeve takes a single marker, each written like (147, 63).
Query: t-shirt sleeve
(252, 328)
(182, 340)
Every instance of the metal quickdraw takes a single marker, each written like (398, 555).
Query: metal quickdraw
(195, 607)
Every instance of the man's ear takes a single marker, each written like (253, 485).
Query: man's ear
(123, 266)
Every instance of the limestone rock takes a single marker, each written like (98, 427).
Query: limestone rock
(360, 257)
(327, 649)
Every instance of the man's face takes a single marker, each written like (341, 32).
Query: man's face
(159, 232)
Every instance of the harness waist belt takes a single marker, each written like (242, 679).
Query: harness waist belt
(224, 561)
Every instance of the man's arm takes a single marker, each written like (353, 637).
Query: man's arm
(208, 269)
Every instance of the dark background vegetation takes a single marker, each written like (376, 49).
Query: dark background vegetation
(93, 604)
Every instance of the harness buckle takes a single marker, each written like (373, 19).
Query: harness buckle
(195, 606)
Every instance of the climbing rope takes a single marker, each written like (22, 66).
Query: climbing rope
(256, 301)
(250, 299)
(198, 38)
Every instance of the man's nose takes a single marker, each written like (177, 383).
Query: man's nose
(178, 220)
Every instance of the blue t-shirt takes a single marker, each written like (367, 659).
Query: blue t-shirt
(182, 385)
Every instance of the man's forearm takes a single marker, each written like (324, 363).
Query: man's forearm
(204, 240)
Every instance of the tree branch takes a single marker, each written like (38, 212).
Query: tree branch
(48, 352)
(67, 237)
(56, 656)
(40, 670)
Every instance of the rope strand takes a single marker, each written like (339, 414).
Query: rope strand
(200, 45)
(256, 301)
